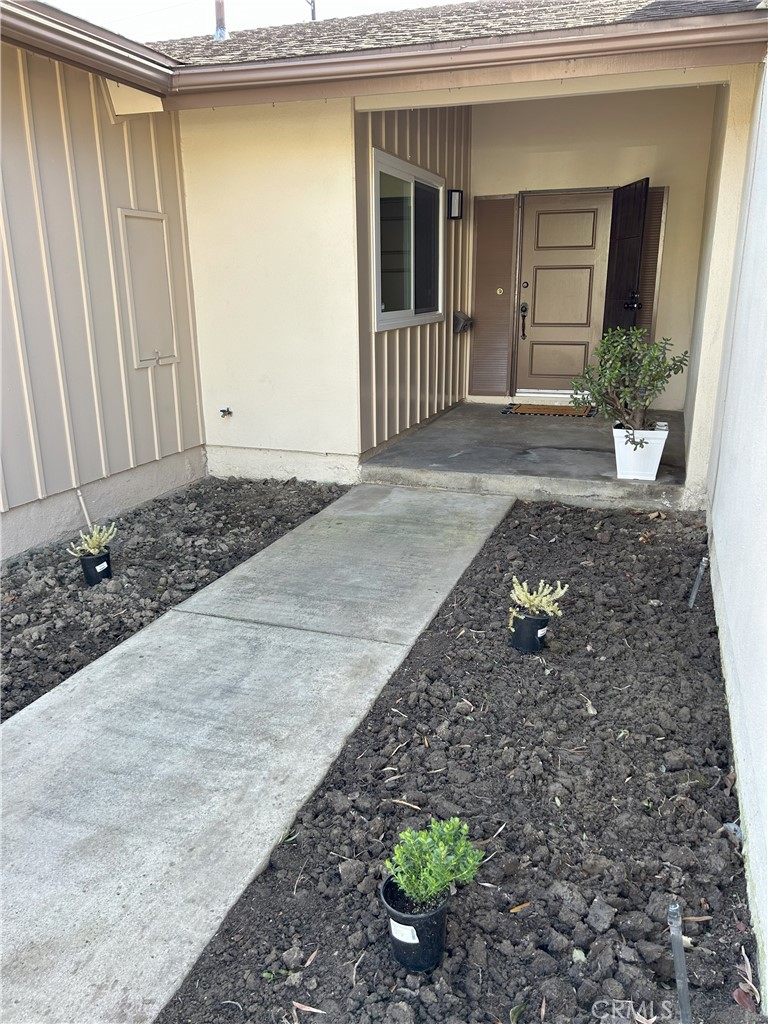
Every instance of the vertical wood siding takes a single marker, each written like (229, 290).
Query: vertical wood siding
(410, 374)
(76, 407)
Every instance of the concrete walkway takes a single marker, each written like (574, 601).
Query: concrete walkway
(142, 795)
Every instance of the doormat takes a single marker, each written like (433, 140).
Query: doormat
(548, 410)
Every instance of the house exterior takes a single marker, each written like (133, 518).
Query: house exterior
(260, 225)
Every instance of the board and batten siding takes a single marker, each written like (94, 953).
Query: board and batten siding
(99, 369)
(410, 374)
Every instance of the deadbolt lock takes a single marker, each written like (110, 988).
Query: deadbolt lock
(499, 291)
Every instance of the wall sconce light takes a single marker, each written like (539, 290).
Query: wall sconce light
(455, 203)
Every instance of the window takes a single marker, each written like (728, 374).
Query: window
(408, 224)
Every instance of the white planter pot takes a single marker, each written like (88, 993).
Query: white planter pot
(639, 463)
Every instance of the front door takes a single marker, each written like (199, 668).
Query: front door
(559, 314)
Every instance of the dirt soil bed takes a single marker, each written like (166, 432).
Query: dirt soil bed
(597, 778)
(54, 624)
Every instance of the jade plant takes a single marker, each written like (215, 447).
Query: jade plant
(93, 543)
(627, 374)
(426, 864)
(544, 600)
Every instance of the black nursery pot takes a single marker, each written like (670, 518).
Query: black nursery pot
(418, 940)
(529, 632)
(96, 568)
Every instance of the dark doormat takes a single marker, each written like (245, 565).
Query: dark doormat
(548, 410)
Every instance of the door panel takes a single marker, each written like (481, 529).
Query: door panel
(549, 360)
(622, 291)
(562, 296)
(494, 246)
(564, 258)
(565, 230)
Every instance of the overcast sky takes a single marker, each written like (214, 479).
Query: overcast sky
(145, 20)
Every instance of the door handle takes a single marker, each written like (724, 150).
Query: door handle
(523, 314)
(633, 301)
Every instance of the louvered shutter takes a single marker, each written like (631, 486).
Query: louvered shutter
(650, 259)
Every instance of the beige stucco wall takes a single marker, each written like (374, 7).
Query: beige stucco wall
(79, 404)
(738, 492)
(604, 141)
(734, 111)
(270, 196)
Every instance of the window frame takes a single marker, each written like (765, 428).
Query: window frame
(392, 165)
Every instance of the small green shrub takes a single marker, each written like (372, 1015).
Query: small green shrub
(93, 543)
(425, 864)
(627, 373)
(545, 600)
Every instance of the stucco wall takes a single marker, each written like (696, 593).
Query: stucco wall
(270, 195)
(738, 486)
(733, 116)
(604, 141)
(88, 199)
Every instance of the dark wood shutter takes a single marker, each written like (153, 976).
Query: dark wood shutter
(624, 256)
(494, 248)
(650, 261)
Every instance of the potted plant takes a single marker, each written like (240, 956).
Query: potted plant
(93, 552)
(628, 373)
(424, 869)
(531, 611)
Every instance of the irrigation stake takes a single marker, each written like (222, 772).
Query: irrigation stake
(678, 954)
(354, 969)
(697, 581)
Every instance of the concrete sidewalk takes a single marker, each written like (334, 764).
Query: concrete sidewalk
(142, 795)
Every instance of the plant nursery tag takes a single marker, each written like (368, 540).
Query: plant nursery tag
(404, 932)
(101, 566)
(542, 632)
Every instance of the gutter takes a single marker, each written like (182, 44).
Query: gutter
(40, 28)
(52, 33)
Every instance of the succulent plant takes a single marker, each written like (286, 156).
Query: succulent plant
(93, 543)
(545, 600)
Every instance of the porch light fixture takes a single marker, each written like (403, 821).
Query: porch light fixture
(455, 203)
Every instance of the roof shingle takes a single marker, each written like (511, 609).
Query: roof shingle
(479, 19)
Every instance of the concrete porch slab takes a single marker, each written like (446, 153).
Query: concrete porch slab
(541, 458)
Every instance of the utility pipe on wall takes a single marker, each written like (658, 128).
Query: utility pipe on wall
(81, 499)
(221, 26)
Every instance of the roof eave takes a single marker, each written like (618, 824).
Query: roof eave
(67, 38)
(604, 40)
(60, 36)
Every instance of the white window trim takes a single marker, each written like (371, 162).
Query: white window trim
(408, 172)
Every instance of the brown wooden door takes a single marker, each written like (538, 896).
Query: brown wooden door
(494, 248)
(622, 289)
(564, 257)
